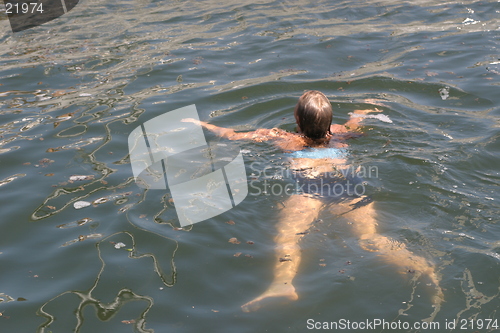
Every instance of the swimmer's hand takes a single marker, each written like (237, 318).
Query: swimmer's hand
(221, 131)
(357, 116)
(365, 111)
(381, 117)
(192, 120)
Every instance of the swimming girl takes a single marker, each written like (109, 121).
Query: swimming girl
(316, 150)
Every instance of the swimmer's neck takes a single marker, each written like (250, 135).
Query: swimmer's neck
(314, 142)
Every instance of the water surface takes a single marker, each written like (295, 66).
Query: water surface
(74, 88)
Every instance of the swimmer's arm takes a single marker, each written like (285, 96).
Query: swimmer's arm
(354, 122)
(260, 135)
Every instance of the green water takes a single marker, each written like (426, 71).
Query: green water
(114, 64)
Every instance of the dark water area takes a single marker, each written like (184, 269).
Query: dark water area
(73, 89)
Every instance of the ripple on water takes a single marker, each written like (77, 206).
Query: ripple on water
(73, 89)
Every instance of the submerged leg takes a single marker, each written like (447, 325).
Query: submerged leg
(295, 218)
(390, 250)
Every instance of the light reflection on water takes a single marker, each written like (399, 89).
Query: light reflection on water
(73, 89)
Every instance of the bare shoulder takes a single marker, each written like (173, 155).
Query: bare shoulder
(288, 141)
(281, 138)
(342, 133)
(265, 134)
(338, 129)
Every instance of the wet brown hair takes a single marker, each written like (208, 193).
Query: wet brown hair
(314, 114)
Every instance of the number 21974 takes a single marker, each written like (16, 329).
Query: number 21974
(24, 7)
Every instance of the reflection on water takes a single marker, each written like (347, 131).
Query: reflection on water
(105, 311)
(72, 90)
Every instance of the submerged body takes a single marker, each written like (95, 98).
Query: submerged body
(317, 156)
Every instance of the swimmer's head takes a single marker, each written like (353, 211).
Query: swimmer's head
(313, 114)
